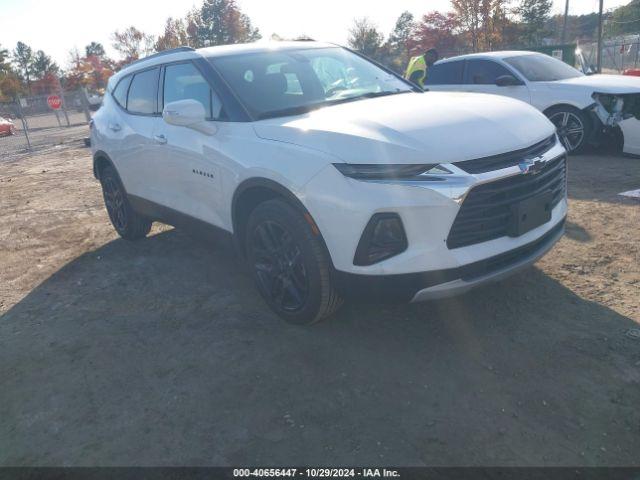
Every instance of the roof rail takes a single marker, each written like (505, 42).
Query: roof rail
(162, 53)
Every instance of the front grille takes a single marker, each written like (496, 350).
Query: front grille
(486, 212)
(504, 160)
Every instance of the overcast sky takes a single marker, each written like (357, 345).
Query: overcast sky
(58, 26)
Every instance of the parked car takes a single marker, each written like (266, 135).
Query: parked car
(581, 106)
(94, 100)
(7, 127)
(334, 177)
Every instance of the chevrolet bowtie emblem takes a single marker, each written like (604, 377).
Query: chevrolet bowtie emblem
(531, 166)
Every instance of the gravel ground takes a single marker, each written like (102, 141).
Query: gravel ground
(162, 353)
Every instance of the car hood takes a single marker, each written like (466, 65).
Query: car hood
(430, 127)
(613, 84)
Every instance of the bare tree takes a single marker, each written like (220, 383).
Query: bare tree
(132, 43)
(365, 37)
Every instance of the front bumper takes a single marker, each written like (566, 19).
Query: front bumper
(342, 207)
(431, 285)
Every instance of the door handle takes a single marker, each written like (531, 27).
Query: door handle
(115, 127)
(160, 139)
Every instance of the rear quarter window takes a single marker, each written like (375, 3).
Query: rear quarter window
(448, 73)
(120, 92)
(143, 92)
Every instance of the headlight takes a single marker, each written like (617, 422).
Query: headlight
(366, 171)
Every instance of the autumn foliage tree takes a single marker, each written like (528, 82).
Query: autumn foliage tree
(175, 35)
(482, 22)
(221, 22)
(435, 30)
(91, 71)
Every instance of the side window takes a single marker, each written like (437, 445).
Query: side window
(184, 81)
(448, 73)
(142, 93)
(120, 92)
(484, 72)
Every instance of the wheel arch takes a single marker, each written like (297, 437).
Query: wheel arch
(100, 161)
(566, 105)
(253, 191)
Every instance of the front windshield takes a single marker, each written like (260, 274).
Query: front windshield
(542, 68)
(287, 82)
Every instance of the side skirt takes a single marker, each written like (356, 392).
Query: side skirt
(195, 227)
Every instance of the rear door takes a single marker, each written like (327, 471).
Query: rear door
(447, 76)
(131, 129)
(481, 75)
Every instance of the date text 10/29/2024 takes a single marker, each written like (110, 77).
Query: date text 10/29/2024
(316, 472)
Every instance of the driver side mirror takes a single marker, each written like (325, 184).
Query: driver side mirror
(507, 81)
(188, 113)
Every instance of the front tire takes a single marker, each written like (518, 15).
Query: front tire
(129, 224)
(573, 125)
(290, 265)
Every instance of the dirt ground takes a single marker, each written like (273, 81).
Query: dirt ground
(162, 353)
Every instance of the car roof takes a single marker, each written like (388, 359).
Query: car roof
(260, 47)
(501, 55)
(186, 53)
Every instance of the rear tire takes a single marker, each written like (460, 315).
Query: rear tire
(128, 223)
(573, 125)
(290, 264)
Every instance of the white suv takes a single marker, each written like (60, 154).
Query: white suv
(335, 177)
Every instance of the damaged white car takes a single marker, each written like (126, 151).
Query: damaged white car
(583, 108)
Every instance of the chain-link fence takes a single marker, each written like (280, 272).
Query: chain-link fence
(31, 123)
(618, 54)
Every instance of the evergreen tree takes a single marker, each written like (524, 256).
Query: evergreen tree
(23, 58)
(534, 15)
(42, 65)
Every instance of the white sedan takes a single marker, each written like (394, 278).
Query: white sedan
(582, 107)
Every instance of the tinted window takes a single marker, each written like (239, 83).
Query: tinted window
(289, 82)
(449, 73)
(184, 81)
(484, 72)
(120, 92)
(542, 68)
(142, 93)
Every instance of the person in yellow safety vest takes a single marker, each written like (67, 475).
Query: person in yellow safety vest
(418, 67)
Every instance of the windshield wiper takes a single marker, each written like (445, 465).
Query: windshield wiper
(285, 112)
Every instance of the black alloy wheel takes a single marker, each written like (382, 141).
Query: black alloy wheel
(128, 223)
(290, 264)
(278, 266)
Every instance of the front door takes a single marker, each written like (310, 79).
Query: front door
(191, 159)
(481, 75)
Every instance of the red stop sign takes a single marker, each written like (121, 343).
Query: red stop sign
(54, 101)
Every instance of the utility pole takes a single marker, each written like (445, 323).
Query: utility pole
(564, 24)
(599, 52)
